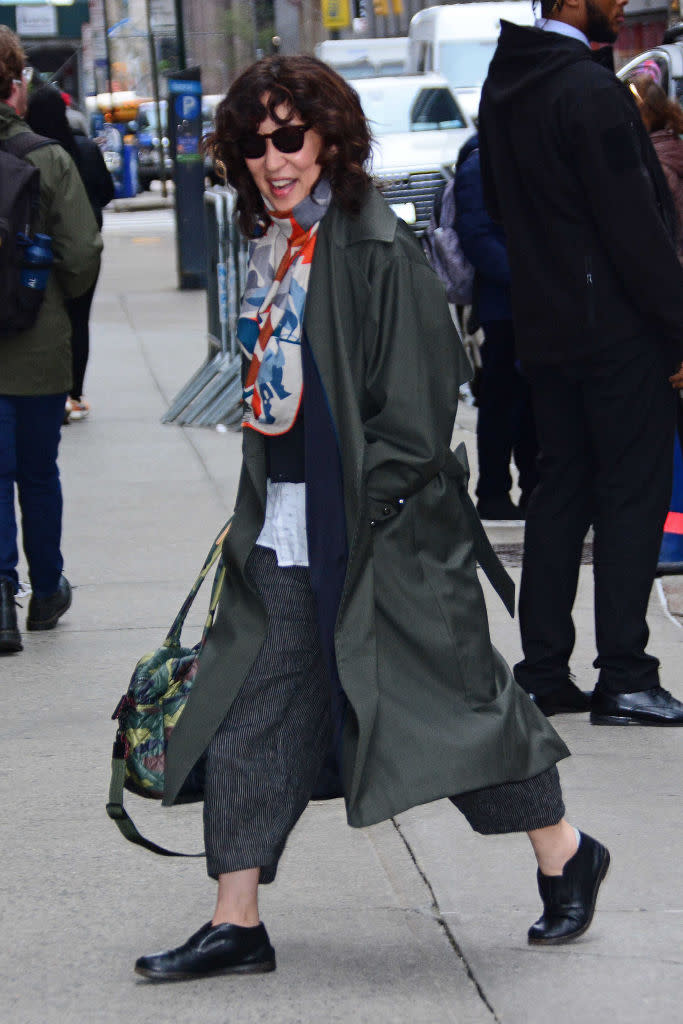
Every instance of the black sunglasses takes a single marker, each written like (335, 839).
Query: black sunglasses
(287, 139)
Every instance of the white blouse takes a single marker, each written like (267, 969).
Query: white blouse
(284, 528)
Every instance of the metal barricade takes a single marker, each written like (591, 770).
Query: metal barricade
(213, 393)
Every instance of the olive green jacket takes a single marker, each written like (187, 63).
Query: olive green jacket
(38, 361)
(434, 709)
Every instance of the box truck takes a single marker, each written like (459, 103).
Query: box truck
(458, 41)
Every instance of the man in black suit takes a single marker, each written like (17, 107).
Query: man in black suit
(597, 295)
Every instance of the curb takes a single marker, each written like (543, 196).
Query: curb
(141, 203)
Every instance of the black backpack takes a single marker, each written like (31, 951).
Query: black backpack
(19, 206)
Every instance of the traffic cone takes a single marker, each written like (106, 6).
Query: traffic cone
(671, 552)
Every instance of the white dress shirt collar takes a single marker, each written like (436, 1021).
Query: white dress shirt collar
(562, 29)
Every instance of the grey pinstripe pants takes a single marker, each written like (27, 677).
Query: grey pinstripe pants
(266, 756)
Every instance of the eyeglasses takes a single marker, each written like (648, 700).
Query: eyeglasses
(26, 76)
(287, 139)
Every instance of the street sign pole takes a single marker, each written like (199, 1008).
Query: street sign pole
(155, 90)
(107, 45)
(180, 34)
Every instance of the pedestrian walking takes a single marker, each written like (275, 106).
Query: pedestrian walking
(597, 295)
(351, 617)
(47, 115)
(505, 419)
(35, 367)
(663, 119)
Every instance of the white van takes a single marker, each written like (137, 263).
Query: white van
(365, 58)
(458, 41)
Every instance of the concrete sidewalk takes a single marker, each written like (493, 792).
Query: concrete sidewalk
(417, 920)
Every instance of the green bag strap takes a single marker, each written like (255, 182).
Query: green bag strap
(173, 636)
(115, 808)
(119, 815)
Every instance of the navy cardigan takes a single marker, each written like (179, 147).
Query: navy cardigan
(483, 242)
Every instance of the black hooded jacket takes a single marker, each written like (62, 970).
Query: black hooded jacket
(570, 172)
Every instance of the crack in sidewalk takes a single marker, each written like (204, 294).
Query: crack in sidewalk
(438, 917)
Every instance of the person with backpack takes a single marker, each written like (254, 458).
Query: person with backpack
(46, 115)
(505, 420)
(50, 252)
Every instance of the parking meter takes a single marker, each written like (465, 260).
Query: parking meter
(185, 138)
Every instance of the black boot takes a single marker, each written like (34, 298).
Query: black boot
(10, 637)
(214, 949)
(43, 612)
(569, 899)
(562, 699)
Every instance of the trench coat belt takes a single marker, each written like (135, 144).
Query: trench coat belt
(456, 467)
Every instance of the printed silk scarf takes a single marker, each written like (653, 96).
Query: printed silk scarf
(270, 322)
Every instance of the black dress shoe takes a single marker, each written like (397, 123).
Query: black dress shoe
(569, 899)
(43, 612)
(10, 637)
(214, 949)
(565, 699)
(647, 707)
(501, 509)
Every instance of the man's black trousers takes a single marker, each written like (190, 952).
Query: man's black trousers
(505, 421)
(606, 431)
(79, 314)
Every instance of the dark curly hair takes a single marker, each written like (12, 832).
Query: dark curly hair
(309, 88)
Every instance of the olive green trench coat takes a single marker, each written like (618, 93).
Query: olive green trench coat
(433, 708)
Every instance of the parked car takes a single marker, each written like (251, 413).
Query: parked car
(148, 132)
(664, 63)
(418, 128)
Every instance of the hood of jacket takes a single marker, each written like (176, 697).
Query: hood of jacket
(525, 57)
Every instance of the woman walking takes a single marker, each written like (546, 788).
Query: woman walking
(352, 618)
(663, 119)
(47, 116)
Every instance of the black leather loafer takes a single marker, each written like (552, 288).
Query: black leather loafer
(214, 949)
(565, 699)
(647, 707)
(43, 612)
(569, 899)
